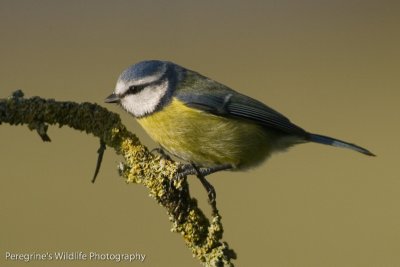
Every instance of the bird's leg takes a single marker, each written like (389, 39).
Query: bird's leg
(201, 173)
(212, 195)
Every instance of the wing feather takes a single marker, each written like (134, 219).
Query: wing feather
(210, 96)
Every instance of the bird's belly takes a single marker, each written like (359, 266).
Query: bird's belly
(206, 139)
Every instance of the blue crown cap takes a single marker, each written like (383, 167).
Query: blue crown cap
(144, 69)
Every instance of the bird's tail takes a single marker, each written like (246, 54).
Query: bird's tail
(326, 140)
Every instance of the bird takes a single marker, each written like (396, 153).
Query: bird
(205, 123)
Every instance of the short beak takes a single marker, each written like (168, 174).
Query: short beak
(113, 98)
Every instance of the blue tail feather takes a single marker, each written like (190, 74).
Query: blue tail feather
(326, 140)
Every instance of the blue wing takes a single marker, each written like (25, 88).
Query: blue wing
(210, 96)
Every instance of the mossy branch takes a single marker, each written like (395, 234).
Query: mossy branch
(202, 236)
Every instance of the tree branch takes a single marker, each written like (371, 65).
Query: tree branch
(140, 166)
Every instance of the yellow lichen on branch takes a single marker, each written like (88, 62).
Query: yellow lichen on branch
(140, 166)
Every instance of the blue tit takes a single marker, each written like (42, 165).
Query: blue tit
(204, 122)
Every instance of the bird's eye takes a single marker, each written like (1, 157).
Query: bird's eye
(134, 89)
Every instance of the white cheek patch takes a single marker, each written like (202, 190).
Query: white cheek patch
(146, 101)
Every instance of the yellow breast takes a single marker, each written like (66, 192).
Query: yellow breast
(206, 139)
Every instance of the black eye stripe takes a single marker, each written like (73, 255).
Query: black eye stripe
(134, 89)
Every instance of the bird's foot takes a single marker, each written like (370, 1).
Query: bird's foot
(201, 173)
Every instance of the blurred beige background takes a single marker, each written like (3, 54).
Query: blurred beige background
(330, 66)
